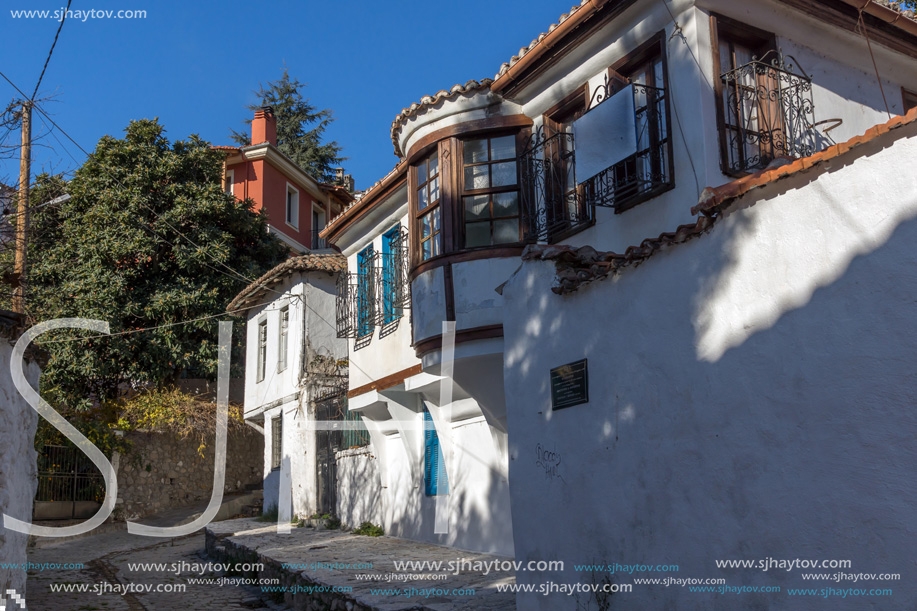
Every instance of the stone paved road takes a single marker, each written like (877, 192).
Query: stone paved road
(105, 558)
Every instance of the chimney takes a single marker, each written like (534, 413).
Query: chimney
(264, 126)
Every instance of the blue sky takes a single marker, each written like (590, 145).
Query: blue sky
(194, 65)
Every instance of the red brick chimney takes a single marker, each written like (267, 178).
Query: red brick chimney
(264, 126)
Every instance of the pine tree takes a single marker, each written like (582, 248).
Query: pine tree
(300, 127)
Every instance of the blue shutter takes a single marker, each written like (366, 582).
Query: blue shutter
(435, 481)
(429, 456)
(388, 274)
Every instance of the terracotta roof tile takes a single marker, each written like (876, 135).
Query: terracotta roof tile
(471, 86)
(714, 199)
(331, 263)
(366, 196)
(578, 266)
(525, 50)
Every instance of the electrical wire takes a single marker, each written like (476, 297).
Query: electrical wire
(237, 275)
(874, 66)
(51, 52)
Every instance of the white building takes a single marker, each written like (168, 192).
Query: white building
(604, 134)
(293, 358)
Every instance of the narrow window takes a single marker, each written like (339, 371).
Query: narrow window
(262, 350)
(749, 100)
(428, 209)
(366, 299)
(276, 441)
(491, 192)
(435, 482)
(283, 343)
(292, 207)
(392, 275)
(227, 185)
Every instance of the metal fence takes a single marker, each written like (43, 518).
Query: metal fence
(66, 475)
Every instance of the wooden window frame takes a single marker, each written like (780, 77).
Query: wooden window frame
(645, 54)
(433, 207)
(908, 100)
(760, 41)
(491, 191)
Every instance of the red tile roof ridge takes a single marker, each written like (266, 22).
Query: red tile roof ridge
(714, 200)
(431, 100)
(331, 263)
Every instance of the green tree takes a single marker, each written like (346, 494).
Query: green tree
(300, 127)
(116, 252)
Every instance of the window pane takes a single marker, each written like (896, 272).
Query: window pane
(425, 228)
(477, 207)
(434, 165)
(422, 201)
(434, 190)
(506, 204)
(435, 242)
(422, 173)
(475, 151)
(506, 232)
(504, 174)
(425, 248)
(503, 148)
(477, 234)
(476, 177)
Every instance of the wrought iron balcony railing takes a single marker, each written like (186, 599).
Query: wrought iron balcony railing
(768, 113)
(554, 202)
(551, 203)
(648, 171)
(377, 296)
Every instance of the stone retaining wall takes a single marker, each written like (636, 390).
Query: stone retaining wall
(163, 471)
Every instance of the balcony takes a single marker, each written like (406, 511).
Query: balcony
(767, 113)
(617, 155)
(378, 294)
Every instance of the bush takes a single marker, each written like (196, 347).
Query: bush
(369, 529)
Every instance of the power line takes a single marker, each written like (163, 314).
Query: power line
(144, 329)
(54, 44)
(237, 275)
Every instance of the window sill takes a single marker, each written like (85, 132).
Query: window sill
(468, 254)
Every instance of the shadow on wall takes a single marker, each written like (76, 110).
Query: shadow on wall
(752, 396)
(480, 519)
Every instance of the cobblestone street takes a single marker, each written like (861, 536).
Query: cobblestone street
(105, 574)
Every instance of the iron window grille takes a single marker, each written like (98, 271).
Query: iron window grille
(554, 203)
(394, 286)
(768, 111)
(648, 171)
(551, 203)
(379, 292)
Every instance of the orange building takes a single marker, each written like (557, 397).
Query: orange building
(297, 205)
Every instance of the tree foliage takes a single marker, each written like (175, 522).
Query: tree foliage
(113, 252)
(300, 127)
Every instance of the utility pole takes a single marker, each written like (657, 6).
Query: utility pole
(22, 214)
